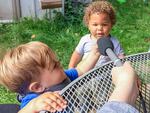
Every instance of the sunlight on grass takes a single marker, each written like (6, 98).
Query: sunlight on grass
(7, 96)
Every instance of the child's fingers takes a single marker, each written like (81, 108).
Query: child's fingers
(59, 97)
(51, 105)
(59, 101)
(53, 101)
(50, 108)
(43, 104)
(56, 101)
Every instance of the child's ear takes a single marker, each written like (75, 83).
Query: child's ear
(36, 87)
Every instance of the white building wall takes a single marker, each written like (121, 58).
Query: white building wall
(6, 11)
(14, 9)
(27, 8)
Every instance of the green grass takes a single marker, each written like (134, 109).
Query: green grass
(132, 29)
(132, 26)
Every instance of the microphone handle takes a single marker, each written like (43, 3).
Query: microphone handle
(113, 57)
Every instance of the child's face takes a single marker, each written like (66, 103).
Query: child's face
(51, 77)
(99, 25)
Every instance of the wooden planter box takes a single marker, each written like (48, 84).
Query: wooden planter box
(48, 4)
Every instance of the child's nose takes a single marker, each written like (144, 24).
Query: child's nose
(100, 27)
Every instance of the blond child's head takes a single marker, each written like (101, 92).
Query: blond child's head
(99, 17)
(30, 67)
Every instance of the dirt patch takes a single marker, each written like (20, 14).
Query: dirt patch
(147, 39)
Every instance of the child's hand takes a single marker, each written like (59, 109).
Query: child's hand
(89, 62)
(49, 101)
(95, 50)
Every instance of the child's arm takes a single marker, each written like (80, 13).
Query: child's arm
(49, 101)
(75, 58)
(89, 62)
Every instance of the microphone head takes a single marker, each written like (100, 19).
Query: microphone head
(103, 44)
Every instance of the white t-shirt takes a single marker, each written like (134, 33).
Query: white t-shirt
(85, 45)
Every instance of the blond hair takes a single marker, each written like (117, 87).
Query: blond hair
(99, 7)
(23, 64)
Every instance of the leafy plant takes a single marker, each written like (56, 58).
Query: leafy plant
(73, 11)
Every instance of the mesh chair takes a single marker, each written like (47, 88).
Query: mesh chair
(91, 91)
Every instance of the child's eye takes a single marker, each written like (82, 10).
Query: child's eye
(57, 64)
(94, 24)
(105, 24)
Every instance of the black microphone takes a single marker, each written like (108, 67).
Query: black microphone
(106, 48)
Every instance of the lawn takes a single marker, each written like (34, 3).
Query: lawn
(62, 34)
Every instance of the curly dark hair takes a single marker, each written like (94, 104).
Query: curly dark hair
(102, 6)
